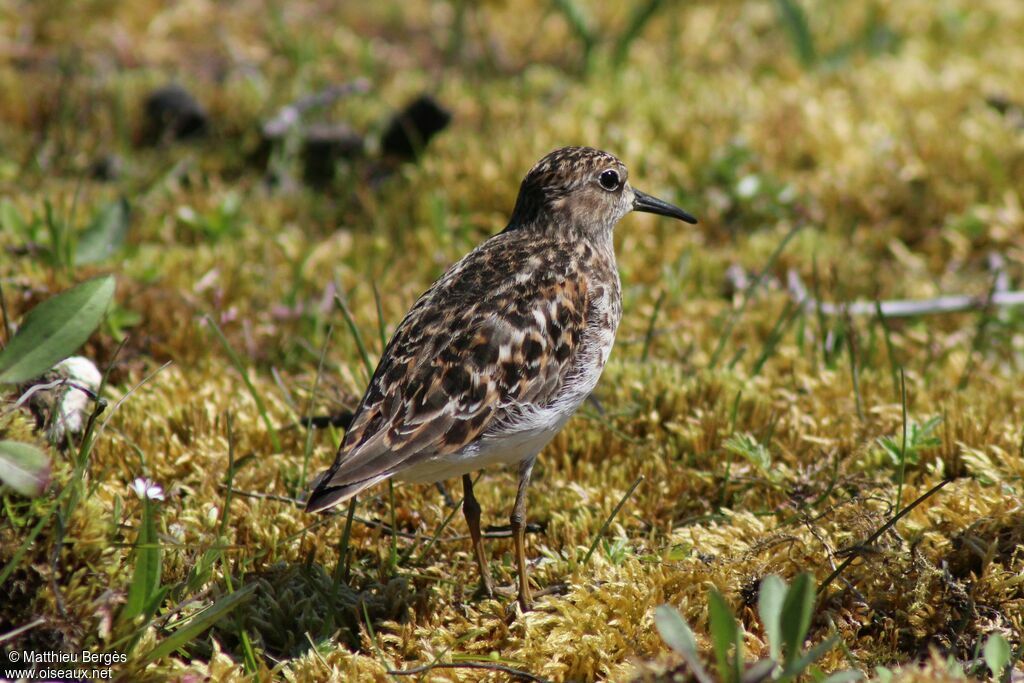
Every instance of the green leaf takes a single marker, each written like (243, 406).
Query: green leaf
(844, 677)
(761, 670)
(674, 630)
(769, 606)
(797, 666)
(997, 654)
(24, 468)
(146, 578)
(200, 623)
(725, 633)
(796, 615)
(54, 329)
(105, 234)
(678, 635)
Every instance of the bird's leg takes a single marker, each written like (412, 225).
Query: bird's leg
(471, 509)
(443, 490)
(518, 522)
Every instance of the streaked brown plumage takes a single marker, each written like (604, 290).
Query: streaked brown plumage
(493, 359)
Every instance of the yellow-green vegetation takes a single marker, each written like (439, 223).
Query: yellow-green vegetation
(874, 150)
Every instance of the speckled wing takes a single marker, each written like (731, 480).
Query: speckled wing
(498, 331)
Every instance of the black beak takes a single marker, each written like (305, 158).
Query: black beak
(648, 204)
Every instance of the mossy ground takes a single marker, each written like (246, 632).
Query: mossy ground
(886, 156)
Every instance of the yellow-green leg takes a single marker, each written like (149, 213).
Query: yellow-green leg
(471, 510)
(518, 522)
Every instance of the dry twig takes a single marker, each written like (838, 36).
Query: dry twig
(288, 116)
(904, 308)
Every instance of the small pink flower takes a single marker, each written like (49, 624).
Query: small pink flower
(147, 489)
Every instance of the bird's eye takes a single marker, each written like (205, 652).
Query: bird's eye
(609, 180)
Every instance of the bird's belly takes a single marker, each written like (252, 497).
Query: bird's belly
(502, 448)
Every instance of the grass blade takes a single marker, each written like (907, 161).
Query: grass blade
(199, 623)
(237, 362)
(902, 473)
(350, 321)
(851, 349)
(607, 522)
(382, 331)
(440, 529)
(790, 313)
(889, 348)
(879, 531)
(984, 319)
(346, 538)
(794, 20)
(579, 23)
(307, 450)
(393, 557)
(637, 21)
(649, 336)
(747, 296)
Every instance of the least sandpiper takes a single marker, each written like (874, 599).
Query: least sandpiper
(497, 355)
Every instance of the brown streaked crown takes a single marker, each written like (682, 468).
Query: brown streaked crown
(563, 189)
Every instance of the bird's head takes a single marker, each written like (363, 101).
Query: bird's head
(581, 189)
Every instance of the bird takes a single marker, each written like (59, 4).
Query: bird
(496, 356)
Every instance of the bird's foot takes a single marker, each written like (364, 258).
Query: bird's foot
(529, 601)
(526, 599)
(497, 591)
(516, 608)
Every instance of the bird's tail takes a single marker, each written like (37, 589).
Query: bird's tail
(326, 495)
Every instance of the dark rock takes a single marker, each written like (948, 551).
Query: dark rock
(171, 114)
(1001, 103)
(341, 419)
(411, 129)
(323, 146)
(1012, 110)
(106, 167)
